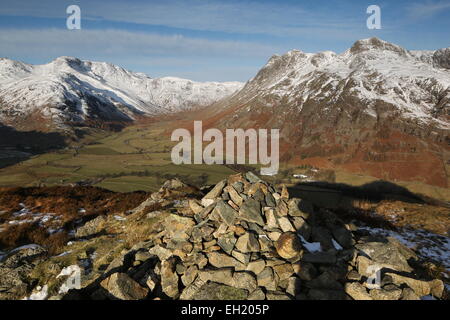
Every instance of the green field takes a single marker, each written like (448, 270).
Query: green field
(134, 159)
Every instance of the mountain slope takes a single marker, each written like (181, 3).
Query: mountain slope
(376, 108)
(69, 90)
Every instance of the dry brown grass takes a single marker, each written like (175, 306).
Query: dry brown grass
(67, 201)
(64, 202)
(26, 233)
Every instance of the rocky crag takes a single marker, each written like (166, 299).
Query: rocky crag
(241, 239)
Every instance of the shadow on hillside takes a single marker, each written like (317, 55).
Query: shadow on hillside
(17, 146)
(372, 192)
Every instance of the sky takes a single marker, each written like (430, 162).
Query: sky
(210, 40)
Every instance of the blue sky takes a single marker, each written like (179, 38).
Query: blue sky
(210, 40)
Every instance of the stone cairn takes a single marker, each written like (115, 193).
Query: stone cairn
(247, 240)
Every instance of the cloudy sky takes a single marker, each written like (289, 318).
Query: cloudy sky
(210, 40)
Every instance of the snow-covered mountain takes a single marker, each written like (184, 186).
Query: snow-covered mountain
(416, 83)
(375, 108)
(69, 90)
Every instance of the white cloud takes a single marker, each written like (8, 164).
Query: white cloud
(119, 42)
(158, 55)
(250, 17)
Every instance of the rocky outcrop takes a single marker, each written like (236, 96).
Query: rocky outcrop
(16, 268)
(246, 239)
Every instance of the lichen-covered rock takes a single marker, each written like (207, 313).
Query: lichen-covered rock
(289, 246)
(121, 286)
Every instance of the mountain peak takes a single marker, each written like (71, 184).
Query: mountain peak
(375, 43)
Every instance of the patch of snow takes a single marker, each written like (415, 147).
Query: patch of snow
(28, 246)
(40, 294)
(311, 246)
(63, 254)
(119, 218)
(426, 244)
(336, 245)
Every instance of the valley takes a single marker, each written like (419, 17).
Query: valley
(138, 159)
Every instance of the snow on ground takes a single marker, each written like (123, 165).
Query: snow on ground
(427, 245)
(311, 246)
(50, 221)
(41, 293)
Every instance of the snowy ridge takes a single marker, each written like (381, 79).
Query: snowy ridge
(416, 83)
(69, 89)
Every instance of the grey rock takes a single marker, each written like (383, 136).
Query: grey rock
(91, 227)
(241, 257)
(220, 260)
(234, 195)
(324, 281)
(16, 268)
(277, 296)
(386, 255)
(227, 213)
(238, 186)
(161, 252)
(320, 257)
(270, 200)
(354, 276)
(252, 178)
(282, 209)
(302, 227)
(259, 196)
(169, 279)
(223, 276)
(248, 243)
(195, 206)
(251, 211)
(244, 280)
(420, 287)
(143, 256)
(322, 235)
(343, 237)
(256, 266)
(283, 271)
(357, 291)
(304, 270)
(409, 294)
(227, 242)
(216, 291)
(121, 286)
(300, 208)
(271, 220)
(216, 191)
(266, 279)
(189, 275)
(258, 294)
(285, 224)
(190, 291)
(387, 293)
(293, 286)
